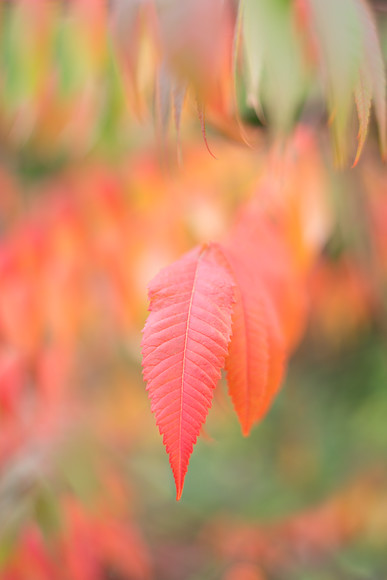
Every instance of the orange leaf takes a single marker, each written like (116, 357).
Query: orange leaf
(256, 353)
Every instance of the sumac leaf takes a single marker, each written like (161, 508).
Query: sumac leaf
(185, 342)
(363, 98)
(256, 353)
(372, 81)
(337, 29)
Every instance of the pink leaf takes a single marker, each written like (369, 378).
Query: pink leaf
(184, 348)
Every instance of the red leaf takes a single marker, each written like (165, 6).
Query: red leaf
(261, 243)
(184, 348)
(256, 353)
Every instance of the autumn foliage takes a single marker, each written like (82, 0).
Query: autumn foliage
(184, 246)
(238, 304)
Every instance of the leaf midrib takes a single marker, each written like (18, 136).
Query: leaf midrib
(183, 369)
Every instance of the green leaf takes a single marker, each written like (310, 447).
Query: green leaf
(277, 77)
(338, 30)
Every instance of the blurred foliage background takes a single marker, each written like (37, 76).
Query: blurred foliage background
(106, 113)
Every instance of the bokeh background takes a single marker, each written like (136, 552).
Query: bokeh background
(111, 115)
